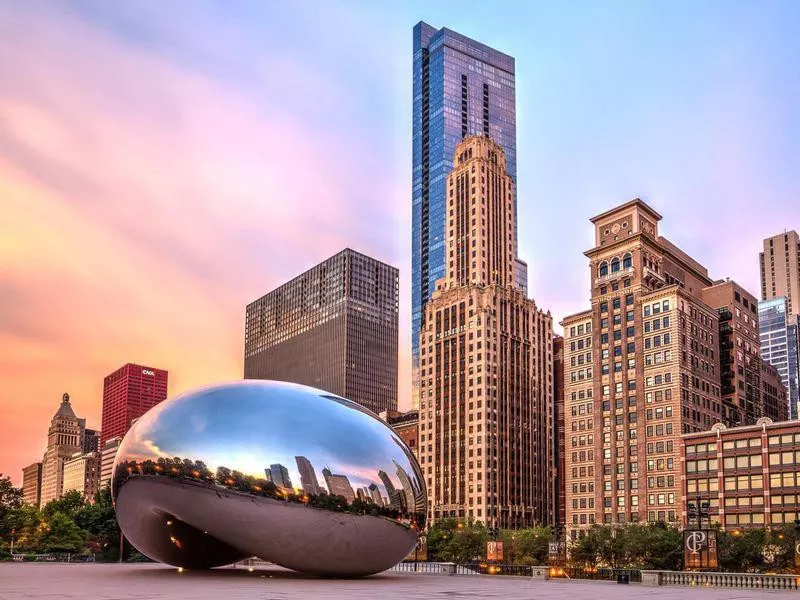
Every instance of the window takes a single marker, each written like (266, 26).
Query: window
(614, 265)
(627, 261)
(603, 271)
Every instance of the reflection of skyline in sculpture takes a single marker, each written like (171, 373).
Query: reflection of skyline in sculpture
(396, 499)
(375, 492)
(279, 475)
(308, 478)
(408, 488)
(338, 485)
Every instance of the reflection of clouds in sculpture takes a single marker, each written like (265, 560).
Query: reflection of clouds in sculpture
(247, 440)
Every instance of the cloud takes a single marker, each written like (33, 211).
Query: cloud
(145, 202)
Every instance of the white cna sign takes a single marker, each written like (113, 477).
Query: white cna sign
(148, 372)
(696, 541)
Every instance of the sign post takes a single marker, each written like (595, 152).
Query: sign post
(700, 549)
(494, 551)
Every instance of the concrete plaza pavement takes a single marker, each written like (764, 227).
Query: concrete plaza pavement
(42, 581)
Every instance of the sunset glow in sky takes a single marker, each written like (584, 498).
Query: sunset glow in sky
(164, 164)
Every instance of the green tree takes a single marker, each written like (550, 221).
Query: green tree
(526, 546)
(59, 533)
(68, 504)
(456, 541)
(664, 548)
(99, 522)
(24, 522)
(11, 500)
(742, 552)
(585, 551)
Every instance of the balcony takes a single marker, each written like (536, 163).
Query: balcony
(612, 276)
(652, 278)
(724, 315)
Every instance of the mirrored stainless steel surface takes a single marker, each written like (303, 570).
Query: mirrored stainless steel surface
(285, 472)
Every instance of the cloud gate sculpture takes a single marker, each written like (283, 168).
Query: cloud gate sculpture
(288, 473)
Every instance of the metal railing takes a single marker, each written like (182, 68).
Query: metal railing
(484, 568)
(598, 574)
(53, 557)
(727, 580)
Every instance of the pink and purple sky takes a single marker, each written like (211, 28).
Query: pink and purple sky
(161, 165)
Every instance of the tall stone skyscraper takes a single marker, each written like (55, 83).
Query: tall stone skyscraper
(460, 87)
(334, 328)
(780, 270)
(486, 360)
(64, 438)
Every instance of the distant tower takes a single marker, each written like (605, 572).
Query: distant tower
(280, 476)
(308, 478)
(128, 393)
(780, 270)
(32, 483)
(338, 485)
(64, 438)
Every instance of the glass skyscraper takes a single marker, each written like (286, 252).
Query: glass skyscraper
(461, 87)
(779, 346)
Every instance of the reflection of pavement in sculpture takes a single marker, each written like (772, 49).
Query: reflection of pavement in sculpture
(205, 479)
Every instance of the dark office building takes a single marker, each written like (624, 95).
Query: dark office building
(91, 440)
(334, 328)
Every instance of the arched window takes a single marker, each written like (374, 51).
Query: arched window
(603, 269)
(627, 261)
(614, 265)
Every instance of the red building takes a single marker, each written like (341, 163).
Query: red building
(128, 393)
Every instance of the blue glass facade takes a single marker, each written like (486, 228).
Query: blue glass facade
(779, 346)
(461, 87)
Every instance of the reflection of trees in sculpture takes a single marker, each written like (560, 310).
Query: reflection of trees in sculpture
(195, 471)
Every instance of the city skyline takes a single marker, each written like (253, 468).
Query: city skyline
(93, 248)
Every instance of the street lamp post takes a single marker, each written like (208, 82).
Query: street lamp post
(13, 531)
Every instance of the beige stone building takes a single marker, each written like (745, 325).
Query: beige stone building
(82, 473)
(486, 364)
(107, 455)
(780, 270)
(641, 368)
(32, 483)
(64, 438)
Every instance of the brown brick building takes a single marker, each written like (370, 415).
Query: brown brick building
(773, 393)
(739, 347)
(559, 474)
(641, 367)
(750, 476)
(406, 425)
(486, 361)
